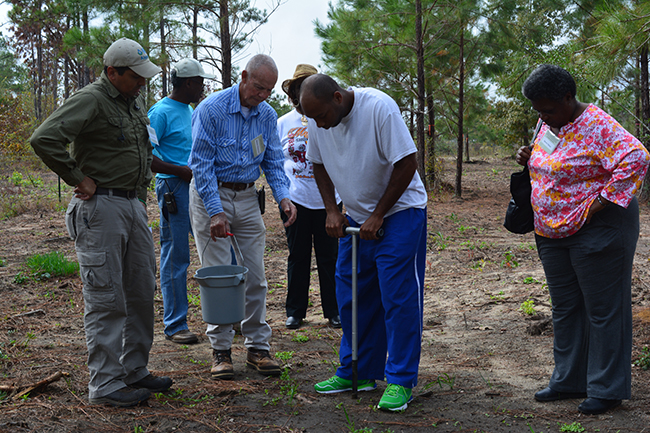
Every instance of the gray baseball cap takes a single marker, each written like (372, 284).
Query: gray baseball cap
(188, 68)
(129, 53)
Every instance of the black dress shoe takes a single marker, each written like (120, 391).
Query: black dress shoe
(595, 406)
(124, 397)
(335, 322)
(293, 322)
(548, 394)
(154, 383)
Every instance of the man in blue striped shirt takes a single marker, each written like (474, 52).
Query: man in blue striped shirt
(234, 135)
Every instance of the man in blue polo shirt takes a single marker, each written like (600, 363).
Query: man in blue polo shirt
(171, 118)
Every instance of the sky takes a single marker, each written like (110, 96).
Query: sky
(288, 36)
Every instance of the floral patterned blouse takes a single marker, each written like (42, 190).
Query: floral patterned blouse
(595, 155)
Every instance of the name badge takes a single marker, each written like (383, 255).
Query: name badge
(549, 141)
(152, 135)
(258, 145)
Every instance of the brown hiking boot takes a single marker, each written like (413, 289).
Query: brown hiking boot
(261, 361)
(222, 365)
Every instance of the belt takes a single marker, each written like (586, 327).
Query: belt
(236, 186)
(116, 192)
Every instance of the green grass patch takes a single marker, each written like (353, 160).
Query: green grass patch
(54, 264)
(573, 427)
(528, 307)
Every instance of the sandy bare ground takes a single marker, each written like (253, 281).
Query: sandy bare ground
(482, 357)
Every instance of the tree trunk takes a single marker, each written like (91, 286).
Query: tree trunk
(85, 79)
(39, 76)
(432, 175)
(66, 77)
(637, 99)
(54, 81)
(66, 69)
(195, 32)
(645, 110)
(645, 97)
(163, 51)
(420, 80)
(226, 54)
(411, 119)
(461, 82)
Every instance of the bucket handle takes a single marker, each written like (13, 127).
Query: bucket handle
(235, 246)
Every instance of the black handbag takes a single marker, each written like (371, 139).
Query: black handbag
(519, 215)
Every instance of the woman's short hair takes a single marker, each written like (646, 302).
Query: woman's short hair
(549, 82)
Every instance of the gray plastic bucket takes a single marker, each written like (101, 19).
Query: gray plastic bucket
(223, 293)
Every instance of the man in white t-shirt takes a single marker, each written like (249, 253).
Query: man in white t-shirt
(359, 144)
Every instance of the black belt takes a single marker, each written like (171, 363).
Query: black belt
(236, 186)
(116, 192)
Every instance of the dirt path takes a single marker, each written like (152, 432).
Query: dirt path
(482, 358)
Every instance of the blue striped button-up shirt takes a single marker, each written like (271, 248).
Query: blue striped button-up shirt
(222, 147)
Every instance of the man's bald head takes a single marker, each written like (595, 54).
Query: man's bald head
(259, 61)
(320, 86)
(257, 80)
(323, 100)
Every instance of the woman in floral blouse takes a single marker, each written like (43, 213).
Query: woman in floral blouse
(585, 169)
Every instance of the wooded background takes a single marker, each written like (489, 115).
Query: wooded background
(455, 67)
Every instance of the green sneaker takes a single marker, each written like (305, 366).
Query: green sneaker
(338, 384)
(396, 397)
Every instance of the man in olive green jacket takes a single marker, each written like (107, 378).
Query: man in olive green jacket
(109, 166)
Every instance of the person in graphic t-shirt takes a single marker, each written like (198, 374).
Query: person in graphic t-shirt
(310, 220)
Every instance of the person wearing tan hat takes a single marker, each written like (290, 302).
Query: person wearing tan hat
(171, 118)
(109, 166)
(310, 219)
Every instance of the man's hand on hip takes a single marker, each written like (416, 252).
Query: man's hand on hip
(86, 189)
(219, 226)
(289, 210)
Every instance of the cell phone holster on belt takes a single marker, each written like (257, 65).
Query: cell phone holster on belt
(261, 199)
(170, 202)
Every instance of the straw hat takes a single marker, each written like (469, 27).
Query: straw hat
(302, 71)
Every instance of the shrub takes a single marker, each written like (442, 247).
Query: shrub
(16, 124)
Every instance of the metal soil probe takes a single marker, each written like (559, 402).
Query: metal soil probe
(354, 232)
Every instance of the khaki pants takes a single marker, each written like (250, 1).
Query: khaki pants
(117, 265)
(246, 224)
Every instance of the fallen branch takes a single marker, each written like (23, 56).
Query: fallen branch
(30, 313)
(50, 379)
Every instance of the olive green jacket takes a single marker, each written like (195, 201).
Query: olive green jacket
(110, 142)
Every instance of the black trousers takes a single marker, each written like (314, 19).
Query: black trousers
(310, 226)
(589, 277)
